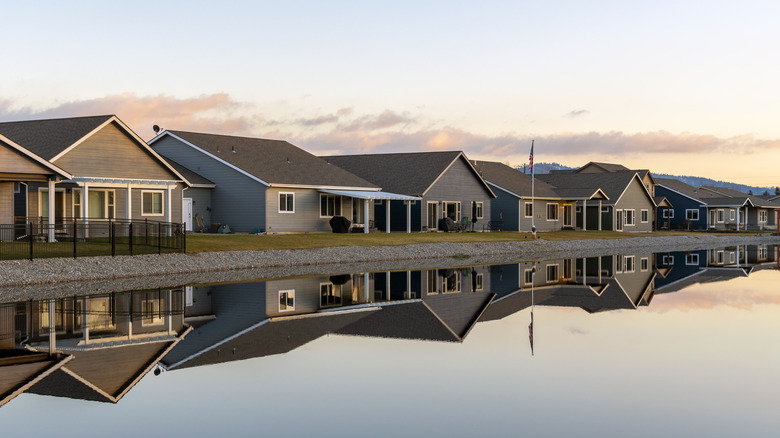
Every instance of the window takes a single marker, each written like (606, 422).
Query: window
(628, 264)
(762, 216)
(17, 187)
(151, 312)
(644, 264)
(628, 217)
(667, 260)
(763, 252)
(451, 281)
(721, 216)
(668, 213)
(732, 215)
(568, 264)
(286, 202)
(480, 208)
(604, 210)
(645, 216)
(552, 273)
(330, 205)
(432, 289)
(692, 215)
(286, 300)
(619, 263)
(152, 203)
(552, 212)
(433, 215)
(452, 210)
(529, 209)
(77, 204)
(479, 282)
(528, 277)
(732, 257)
(692, 259)
(719, 257)
(328, 295)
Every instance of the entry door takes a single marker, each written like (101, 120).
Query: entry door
(59, 206)
(433, 215)
(186, 213)
(619, 220)
(713, 218)
(567, 215)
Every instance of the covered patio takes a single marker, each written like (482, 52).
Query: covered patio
(360, 216)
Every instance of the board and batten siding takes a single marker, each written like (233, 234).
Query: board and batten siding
(306, 217)
(111, 153)
(458, 183)
(635, 198)
(237, 200)
(507, 209)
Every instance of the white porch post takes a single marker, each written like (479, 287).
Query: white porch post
(365, 221)
(408, 284)
(408, 216)
(52, 215)
(168, 216)
(599, 214)
(584, 271)
(52, 328)
(387, 286)
(129, 202)
(84, 320)
(584, 215)
(169, 311)
(738, 211)
(365, 280)
(85, 208)
(129, 303)
(599, 267)
(387, 216)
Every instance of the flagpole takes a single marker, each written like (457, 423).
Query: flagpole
(533, 213)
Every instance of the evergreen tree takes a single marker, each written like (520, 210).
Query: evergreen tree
(766, 192)
(750, 192)
(777, 191)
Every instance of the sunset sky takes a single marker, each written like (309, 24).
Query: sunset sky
(683, 87)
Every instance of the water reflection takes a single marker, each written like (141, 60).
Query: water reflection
(99, 347)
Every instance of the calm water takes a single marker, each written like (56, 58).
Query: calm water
(672, 344)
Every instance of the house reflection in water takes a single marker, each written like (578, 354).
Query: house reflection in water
(100, 346)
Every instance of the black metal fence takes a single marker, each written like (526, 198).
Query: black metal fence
(31, 238)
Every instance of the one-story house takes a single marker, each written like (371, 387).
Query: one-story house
(446, 183)
(112, 173)
(519, 206)
(628, 205)
(272, 186)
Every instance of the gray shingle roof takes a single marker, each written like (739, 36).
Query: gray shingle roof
(47, 138)
(513, 180)
(613, 184)
(192, 178)
(274, 161)
(406, 173)
(608, 167)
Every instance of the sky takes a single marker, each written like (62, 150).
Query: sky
(680, 87)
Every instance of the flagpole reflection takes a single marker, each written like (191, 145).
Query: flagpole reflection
(531, 325)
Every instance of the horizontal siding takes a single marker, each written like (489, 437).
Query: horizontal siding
(111, 153)
(635, 198)
(307, 212)
(6, 203)
(458, 183)
(13, 162)
(237, 200)
(201, 206)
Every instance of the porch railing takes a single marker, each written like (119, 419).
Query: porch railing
(30, 238)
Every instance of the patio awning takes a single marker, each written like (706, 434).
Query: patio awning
(360, 194)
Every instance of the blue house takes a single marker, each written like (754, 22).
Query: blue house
(689, 211)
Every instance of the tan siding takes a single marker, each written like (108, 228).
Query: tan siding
(111, 153)
(13, 162)
(635, 198)
(6, 203)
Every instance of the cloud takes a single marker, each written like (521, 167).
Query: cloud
(697, 298)
(576, 113)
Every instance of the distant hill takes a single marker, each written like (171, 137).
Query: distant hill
(696, 181)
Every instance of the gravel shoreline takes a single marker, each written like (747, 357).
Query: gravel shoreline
(63, 277)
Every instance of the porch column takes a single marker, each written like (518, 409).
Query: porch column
(365, 221)
(169, 311)
(584, 271)
(129, 302)
(408, 284)
(387, 286)
(168, 217)
(408, 216)
(584, 215)
(599, 214)
(129, 202)
(600, 269)
(365, 280)
(52, 215)
(84, 320)
(52, 327)
(85, 209)
(387, 216)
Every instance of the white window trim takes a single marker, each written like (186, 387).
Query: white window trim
(279, 300)
(480, 210)
(604, 210)
(644, 264)
(720, 215)
(432, 275)
(547, 212)
(633, 218)
(625, 264)
(143, 192)
(525, 276)
(619, 264)
(480, 283)
(692, 210)
(692, 259)
(525, 209)
(547, 273)
(732, 214)
(644, 215)
(279, 204)
(763, 216)
(17, 187)
(668, 260)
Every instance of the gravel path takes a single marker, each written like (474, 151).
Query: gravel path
(102, 274)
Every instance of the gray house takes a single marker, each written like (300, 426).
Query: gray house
(628, 207)
(446, 183)
(517, 207)
(270, 186)
(113, 174)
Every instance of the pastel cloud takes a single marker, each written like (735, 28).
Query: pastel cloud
(702, 298)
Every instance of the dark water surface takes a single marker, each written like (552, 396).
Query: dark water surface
(672, 344)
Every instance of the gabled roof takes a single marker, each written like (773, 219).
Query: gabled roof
(23, 369)
(270, 162)
(613, 184)
(724, 192)
(50, 139)
(514, 181)
(32, 156)
(191, 178)
(408, 173)
(603, 167)
(684, 189)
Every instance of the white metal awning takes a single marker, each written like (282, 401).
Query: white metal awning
(361, 194)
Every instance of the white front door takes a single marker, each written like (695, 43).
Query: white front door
(186, 213)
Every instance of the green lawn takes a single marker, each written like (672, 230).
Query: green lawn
(235, 242)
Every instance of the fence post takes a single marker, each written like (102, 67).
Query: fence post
(130, 232)
(75, 236)
(30, 235)
(112, 237)
(159, 237)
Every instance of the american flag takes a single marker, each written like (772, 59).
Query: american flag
(531, 157)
